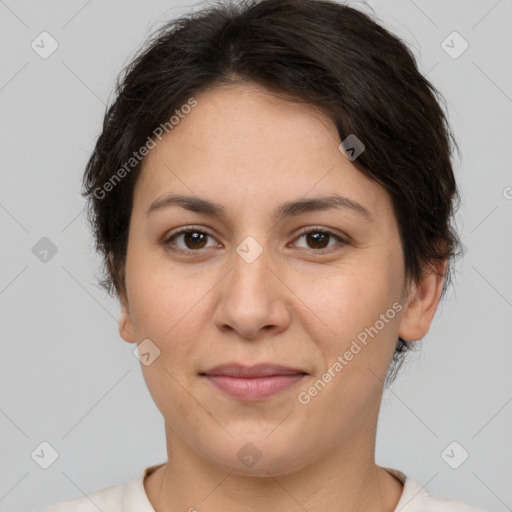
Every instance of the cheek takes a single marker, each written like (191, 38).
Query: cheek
(171, 308)
(160, 297)
(357, 356)
(360, 305)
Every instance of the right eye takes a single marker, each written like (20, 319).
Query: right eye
(194, 239)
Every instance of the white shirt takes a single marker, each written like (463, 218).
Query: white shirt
(132, 497)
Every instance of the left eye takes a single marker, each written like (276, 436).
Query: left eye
(195, 239)
(319, 238)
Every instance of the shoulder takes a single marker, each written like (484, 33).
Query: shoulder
(415, 498)
(440, 504)
(108, 499)
(128, 497)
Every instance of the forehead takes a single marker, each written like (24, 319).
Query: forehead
(233, 123)
(245, 139)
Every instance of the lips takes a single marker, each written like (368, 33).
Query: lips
(251, 383)
(259, 370)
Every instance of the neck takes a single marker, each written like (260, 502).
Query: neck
(346, 480)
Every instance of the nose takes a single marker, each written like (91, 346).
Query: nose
(254, 302)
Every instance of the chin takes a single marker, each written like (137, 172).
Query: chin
(262, 457)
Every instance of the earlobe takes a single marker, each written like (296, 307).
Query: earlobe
(421, 303)
(125, 324)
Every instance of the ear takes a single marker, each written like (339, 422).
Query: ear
(421, 303)
(125, 324)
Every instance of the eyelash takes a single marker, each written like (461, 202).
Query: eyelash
(192, 229)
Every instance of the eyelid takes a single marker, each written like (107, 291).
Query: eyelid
(321, 229)
(342, 239)
(186, 229)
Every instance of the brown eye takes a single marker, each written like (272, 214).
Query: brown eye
(318, 239)
(192, 240)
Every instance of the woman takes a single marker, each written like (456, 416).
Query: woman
(272, 194)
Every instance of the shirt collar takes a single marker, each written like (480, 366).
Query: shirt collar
(413, 493)
(135, 499)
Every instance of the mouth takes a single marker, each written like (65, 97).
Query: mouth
(252, 383)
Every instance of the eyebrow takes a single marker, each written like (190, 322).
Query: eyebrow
(289, 209)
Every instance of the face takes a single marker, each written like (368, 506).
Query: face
(318, 290)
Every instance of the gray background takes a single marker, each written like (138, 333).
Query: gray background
(67, 378)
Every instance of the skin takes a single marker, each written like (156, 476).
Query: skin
(250, 151)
